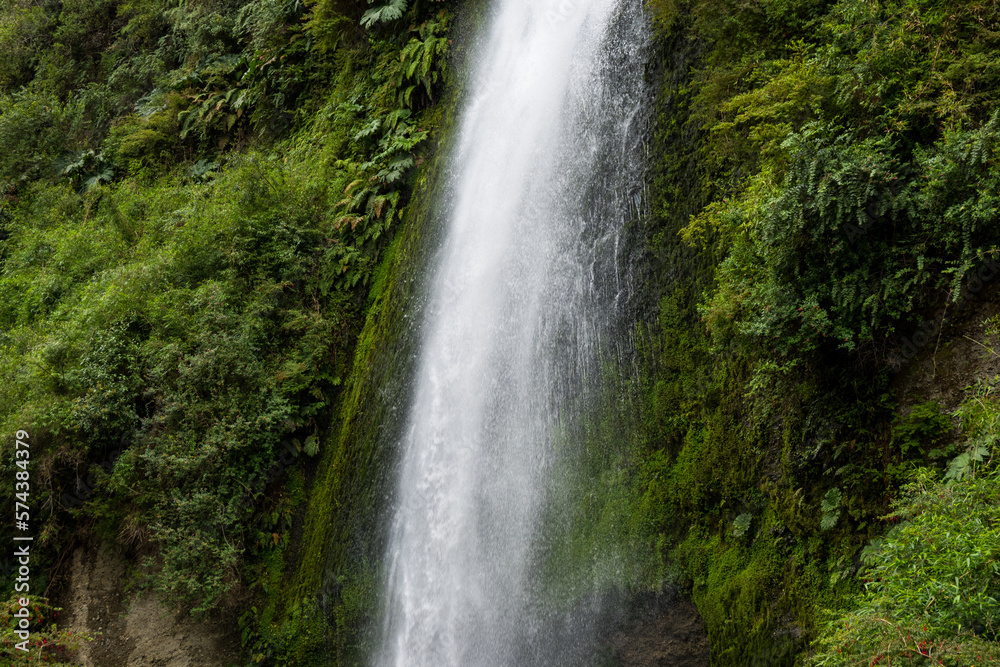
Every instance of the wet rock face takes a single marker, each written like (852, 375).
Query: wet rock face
(662, 630)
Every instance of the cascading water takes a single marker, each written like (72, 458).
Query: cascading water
(528, 289)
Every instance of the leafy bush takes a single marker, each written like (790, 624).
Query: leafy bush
(832, 169)
(390, 11)
(48, 644)
(23, 34)
(816, 264)
(932, 584)
(922, 430)
(33, 131)
(190, 318)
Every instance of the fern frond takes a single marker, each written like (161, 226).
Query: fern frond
(390, 11)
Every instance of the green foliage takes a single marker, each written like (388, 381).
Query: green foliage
(48, 644)
(925, 425)
(87, 170)
(33, 129)
(297, 641)
(146, 140)
(741, 524)
(979, 422)
(225, 307)
(203, 77)
(917, 64)
(203, 356)
(819, 228)
(964, 465)
(383, 148)
(187, 247)
(422, 60)
(825, 178)
(931, 592)
(390, 11)
(931, 586)
(816, 263)
(23, 34)
(830, 508)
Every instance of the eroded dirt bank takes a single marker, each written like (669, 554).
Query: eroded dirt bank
(135, 629)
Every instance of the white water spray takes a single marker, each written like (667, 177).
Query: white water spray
(525, 293)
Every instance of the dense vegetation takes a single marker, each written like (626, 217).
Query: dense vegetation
(831, 170)
(196, 196)
(203, 261)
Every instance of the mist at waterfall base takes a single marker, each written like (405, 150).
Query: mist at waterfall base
(523, 336)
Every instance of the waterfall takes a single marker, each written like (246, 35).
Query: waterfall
(527, 300)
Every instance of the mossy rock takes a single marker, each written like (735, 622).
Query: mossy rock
(153, 138)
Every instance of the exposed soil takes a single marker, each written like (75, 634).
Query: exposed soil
(135, 630)
(957, 356)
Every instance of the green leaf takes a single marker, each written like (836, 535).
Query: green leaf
(311, 446)
(829, 520)
(832, 500)
(388, 12)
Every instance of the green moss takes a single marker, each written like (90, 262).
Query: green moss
(345, 516)
(733, 588)
(730, 475)
(773, 445)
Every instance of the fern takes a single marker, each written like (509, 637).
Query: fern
(390, 11)
(964, 465)
(831, 509)
(741, 524)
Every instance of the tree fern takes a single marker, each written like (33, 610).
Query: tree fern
(390, 11)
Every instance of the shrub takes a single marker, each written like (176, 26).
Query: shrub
(48, 643)
(932, 584)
